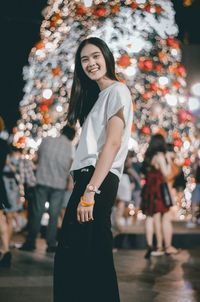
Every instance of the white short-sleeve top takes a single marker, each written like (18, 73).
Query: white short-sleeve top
(93, 135)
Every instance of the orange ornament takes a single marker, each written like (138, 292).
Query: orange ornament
(81, 10)
(115, 9)
(56, 71)
(158, 9)
(39, 45)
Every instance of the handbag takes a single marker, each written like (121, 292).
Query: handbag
(165, 194)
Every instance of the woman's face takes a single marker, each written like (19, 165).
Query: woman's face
(93, 62)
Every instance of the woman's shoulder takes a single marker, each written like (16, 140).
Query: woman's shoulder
(119, 87)
(159, 156)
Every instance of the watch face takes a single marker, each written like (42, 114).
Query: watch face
(91, 187)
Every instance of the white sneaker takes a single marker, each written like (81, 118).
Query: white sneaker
(157, 252)
(190, 224)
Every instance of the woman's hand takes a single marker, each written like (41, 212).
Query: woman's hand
(85, 213)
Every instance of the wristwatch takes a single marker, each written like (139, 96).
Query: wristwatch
(92, 188)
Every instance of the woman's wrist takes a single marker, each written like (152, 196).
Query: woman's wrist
(89, 195)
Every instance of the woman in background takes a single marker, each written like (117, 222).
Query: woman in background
(156, 168)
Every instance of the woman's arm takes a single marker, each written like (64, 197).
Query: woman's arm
(112, 145)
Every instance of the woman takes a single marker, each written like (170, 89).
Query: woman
(5, 259)
(84, 269)
(157, 167)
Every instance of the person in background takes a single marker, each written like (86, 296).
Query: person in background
(103, 107)
(5, 255)
(195, 200)
(55, 156)
(12, 184)
(156, 168)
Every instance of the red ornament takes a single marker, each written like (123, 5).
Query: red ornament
(181, 71)
(172, 43)
(176, 84)
(176, 135)
(178, 143)
(147, 8)
(146, 96)
(154, 87)
(183, 116)
(159, 68)
(187, 162)
(146, 130)
(124, 61)
(43, 108)
(99, 12)
(134, 5)
(164, 91)
(148, 65)
(145, 64)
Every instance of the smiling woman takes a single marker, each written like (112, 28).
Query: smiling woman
(103, 107)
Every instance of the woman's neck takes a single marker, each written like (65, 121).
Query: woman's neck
(104, 83)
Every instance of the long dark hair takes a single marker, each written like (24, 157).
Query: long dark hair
(84, 91)
(156, 144)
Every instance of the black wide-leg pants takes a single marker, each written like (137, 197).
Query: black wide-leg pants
(84, 269)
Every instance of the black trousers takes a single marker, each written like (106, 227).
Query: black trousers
(84, 269)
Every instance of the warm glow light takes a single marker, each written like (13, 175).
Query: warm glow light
(163, 80)
(47, 93)
(171, 99)
(196, 89)
(59, 108)
(88, 3)
(193, 103)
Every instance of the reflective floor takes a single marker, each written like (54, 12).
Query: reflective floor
(161, 279)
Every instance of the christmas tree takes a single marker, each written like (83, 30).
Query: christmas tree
(141, 35)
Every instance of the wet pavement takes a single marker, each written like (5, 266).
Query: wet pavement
(161, 279)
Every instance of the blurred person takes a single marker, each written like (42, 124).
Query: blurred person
(133, 170)
(195, 199)
(27, 169)
(119, 215)
(103, 106)
(12, 184)
(55, 156)
(5, 259)
(156, 168)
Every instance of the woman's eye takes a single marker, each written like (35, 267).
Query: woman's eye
(84, 61)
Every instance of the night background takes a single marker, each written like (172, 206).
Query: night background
(20, 30)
